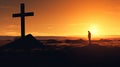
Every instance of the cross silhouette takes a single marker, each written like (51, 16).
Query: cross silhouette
(22, 15)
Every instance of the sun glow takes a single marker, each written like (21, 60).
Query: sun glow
(94, 30)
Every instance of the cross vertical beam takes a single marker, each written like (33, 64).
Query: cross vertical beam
(22, 20)
(22, 14)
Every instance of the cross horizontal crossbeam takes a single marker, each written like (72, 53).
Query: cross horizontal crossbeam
(26, 14)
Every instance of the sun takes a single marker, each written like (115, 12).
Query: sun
(94, 30)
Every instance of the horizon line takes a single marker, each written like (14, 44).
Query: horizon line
(64, 35)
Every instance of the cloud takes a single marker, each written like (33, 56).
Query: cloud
(12, 27)
(10, 33)
(40, 34)
(4, 7)
(10, 30)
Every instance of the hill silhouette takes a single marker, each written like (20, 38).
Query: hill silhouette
(27, 42)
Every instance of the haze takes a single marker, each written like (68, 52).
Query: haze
(62, 17)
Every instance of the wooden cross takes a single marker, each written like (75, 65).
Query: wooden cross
(22, 15)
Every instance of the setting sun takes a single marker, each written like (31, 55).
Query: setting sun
(94, 30)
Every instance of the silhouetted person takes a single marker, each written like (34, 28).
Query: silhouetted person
(89, 37)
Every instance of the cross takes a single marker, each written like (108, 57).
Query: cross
(22, 15)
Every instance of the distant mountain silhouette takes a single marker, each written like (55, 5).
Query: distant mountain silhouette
(27, 42)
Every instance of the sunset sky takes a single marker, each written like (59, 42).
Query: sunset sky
(62, 17)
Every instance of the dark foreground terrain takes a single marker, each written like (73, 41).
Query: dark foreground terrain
(27, 52)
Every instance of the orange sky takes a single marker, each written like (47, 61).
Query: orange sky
(62, 17)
